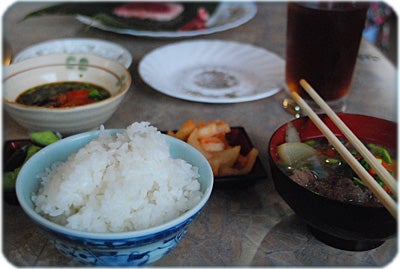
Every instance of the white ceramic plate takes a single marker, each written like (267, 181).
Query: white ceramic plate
(228, 15)
(98, 47)
(213, 71)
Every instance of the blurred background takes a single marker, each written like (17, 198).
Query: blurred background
(381, 29)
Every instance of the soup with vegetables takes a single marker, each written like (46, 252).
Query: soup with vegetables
(63, 94)
(316, 165)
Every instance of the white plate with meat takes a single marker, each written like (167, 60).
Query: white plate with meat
(226, 16)
(213, 71)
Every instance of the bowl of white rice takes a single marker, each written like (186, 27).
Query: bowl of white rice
(118, 197)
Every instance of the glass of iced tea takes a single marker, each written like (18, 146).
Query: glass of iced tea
(323, 39)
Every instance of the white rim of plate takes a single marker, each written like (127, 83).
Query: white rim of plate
(221, 81)
(249, 10)
(98, 47)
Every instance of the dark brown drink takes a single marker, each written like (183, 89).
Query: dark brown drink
(322, 46)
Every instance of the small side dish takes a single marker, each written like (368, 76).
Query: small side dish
(72, 112)
(16, 153)
(210, 138)
(99, 47)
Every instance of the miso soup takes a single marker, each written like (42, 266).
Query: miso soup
(327, 174)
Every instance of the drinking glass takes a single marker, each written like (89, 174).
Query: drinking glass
(323, 39)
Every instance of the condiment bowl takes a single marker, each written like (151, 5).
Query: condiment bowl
(343, 225)
(132, 248)
(24, 75)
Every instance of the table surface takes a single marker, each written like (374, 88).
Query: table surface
(250, 226)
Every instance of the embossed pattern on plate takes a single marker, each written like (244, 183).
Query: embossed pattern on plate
(213, 71)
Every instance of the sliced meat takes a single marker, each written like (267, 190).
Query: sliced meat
(302, 177)
(341, 189)
(151, 11)
(345, 190)
(197, 23)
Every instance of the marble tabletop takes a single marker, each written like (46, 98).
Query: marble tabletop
(248, 226)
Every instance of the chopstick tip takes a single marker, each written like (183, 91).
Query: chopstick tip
(304, 83)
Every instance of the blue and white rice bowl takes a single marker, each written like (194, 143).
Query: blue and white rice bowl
(131, 248)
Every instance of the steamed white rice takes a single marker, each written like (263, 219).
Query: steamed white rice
(119, 183)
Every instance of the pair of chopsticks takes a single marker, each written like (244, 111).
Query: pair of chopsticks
(387, 201)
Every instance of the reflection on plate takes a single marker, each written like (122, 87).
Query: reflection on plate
(238, 136)
(229, 15)
(213, 71)
(102, 48)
